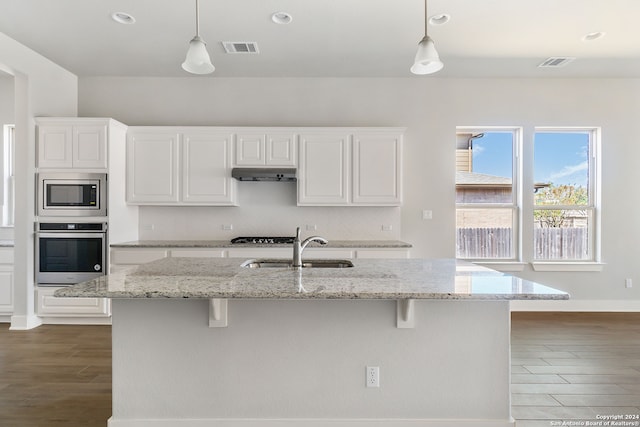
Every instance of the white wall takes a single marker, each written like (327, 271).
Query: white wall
(6, 99)
(430, 109)
(42, 88)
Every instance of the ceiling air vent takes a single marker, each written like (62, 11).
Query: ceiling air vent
(555, 62)
(240, 47)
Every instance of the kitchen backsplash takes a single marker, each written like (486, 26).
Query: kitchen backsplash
(268, 209)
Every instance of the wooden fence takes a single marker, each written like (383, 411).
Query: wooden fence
(549, 243)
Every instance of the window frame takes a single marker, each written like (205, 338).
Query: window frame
(516, 194)
(8, 179)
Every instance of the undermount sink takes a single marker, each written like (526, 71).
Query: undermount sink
(287, 263)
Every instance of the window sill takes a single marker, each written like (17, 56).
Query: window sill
(502, 266)
(567, 266)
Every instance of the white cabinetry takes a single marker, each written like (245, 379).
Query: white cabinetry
(323, 175)
(206, 162)
(354, 167)
(77, 143)
(172, 167)
(377, 168)
(152, 167)
(268, 148)
(6, 281)
(122, 258)
(82, 308)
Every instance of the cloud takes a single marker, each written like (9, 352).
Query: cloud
(569, 171)
(478, 149)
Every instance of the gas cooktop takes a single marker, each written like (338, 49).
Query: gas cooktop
(263, 240)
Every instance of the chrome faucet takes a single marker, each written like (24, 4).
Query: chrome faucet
(299, 247)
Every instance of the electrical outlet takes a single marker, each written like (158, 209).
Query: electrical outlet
(373, 376)
(227, 227)
(628, 283)
(311, 227)
(427, 214)
(386, 227)
(148, 227)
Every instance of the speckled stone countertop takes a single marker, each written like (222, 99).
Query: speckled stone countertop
(368, 279)
(227, 244)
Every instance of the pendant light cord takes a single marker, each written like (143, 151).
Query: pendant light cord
(425, 18)
(198, 19)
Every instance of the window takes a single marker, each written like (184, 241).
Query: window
(565, 187)
(487, 211)
(562, 205)
(8, 167)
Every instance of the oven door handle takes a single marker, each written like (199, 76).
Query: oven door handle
(72, 235)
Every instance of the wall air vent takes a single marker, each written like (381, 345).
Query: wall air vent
(240, 47)
(555, 62)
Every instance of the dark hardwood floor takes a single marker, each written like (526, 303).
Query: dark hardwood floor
(565, 367)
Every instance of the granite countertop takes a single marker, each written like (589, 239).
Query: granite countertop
(368, 279)
(383, 244)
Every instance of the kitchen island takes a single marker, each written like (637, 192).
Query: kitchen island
(206, 342)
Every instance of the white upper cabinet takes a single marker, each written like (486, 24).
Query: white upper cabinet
(77, 143)
(267, 148)
(174, 165)
(152, 167)
(323, 174)
(377, 168)
(179, 166)
(339, 167)
(206, 165)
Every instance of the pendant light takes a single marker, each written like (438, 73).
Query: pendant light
(198, 61)
(427, 59)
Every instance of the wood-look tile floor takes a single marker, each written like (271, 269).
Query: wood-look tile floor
(575, 367)
(54, 376)
(565, 367)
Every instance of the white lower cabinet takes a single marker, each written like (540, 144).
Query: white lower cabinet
(48, 305)
(6, 281)
(260, 253)
(121, 259)
(198, 253)
(382, 253)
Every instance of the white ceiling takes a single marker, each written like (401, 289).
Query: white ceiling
(331, 38)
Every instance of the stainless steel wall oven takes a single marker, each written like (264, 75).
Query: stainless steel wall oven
(68, 253)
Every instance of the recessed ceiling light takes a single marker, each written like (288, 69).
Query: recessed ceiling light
(123, 18)
(593, 36)
(441, 19)
(281, 18)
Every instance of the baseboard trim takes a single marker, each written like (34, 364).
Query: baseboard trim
(303, 422)
(577, 305)
(24, 323)
(60, 320)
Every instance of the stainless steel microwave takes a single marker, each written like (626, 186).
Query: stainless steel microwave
(72, 194)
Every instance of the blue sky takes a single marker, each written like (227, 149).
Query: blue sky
(560, 158)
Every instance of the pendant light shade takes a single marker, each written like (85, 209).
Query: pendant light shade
(198, 60)
(427, 60)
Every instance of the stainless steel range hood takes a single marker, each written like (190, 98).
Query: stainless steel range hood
(264, 174)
